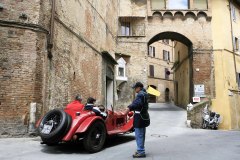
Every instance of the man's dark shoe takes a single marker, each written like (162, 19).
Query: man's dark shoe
(137, 155)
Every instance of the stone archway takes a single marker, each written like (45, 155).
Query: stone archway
(185, 89)
(171, 35)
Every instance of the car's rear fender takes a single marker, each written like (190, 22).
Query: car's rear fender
(87, 123)
(76, 123)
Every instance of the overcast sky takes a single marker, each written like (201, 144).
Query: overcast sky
(178, 4)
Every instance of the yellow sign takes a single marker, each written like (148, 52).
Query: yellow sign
(153, 91)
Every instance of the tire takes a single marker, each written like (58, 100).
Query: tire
(204, 125)
(61, 124)
(215, 126)
(95, 137)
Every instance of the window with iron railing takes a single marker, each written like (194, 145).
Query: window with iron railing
(125, 28)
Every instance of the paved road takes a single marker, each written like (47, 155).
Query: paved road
(167, 139)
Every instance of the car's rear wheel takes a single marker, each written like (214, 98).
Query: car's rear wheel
(54, 126)
(95, 137)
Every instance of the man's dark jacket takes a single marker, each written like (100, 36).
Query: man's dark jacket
(140, 104)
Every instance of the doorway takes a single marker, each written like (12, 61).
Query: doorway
(109, 98)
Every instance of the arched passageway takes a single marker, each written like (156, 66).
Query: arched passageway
(177, 84)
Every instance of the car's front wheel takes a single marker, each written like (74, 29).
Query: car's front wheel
(95, 137)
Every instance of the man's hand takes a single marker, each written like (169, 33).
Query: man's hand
(126, 111)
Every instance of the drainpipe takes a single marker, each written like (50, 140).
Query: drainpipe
(50, 43)
(234, 58)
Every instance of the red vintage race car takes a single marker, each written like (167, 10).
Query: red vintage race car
(71, 125)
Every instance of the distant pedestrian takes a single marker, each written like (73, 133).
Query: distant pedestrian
(141, 118)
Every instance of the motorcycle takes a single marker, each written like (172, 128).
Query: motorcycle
(211, 120)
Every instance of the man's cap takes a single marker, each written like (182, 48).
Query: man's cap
(91, 100)
(138, 84)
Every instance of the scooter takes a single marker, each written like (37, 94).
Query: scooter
(211, 120)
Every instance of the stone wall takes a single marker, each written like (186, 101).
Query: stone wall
(182, 75)
(195, 114)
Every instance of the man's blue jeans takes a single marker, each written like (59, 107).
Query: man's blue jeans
(140, 139)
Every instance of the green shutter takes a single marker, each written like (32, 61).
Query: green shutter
(158, 4)
(200, 4)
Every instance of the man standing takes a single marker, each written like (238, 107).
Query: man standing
(141, 118)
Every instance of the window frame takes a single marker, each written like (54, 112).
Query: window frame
(151, 51)
(236, 46)
(166, 55)
(194, 3)
(168, 6)
(151, 70)
(191, 5)
(126, 26)
(122, 72)
(233, 12)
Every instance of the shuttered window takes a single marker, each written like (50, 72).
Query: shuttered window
(236, 43)
(151, 70)
(200, 4)
(151, 51)
(166, 55)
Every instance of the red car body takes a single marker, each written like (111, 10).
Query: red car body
(73, 124)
